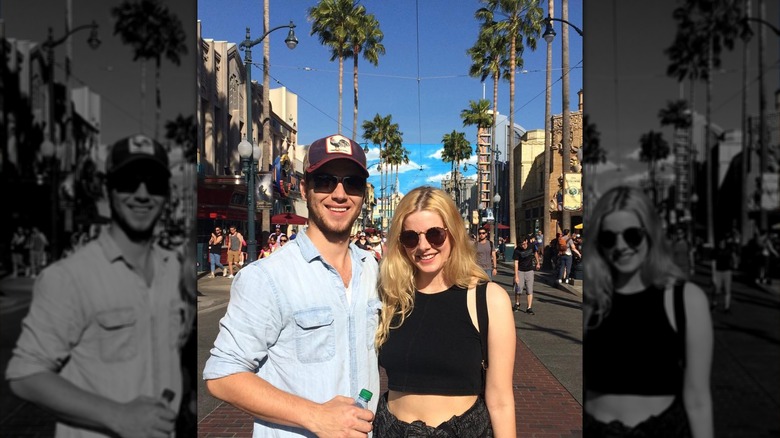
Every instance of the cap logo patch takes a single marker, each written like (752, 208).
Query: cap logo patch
(338, 144)
(141, 144)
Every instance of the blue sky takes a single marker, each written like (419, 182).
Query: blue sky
(422, 81)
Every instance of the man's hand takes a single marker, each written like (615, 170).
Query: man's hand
(339, 417)
(145, 417)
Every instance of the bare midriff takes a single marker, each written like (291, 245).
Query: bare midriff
(431, 409)
(629, 409)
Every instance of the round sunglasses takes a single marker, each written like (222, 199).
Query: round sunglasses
(434, 235)
(633, 237)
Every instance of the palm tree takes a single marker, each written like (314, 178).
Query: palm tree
(183, 131)
(456, 150)
(333, 22)
(521, 22)
(592, 155)
(653, 148)
(154, 32)
(477, 114)
(704, 29)
(365, 38)
(382, 132)
(490, 57)
(396, 154)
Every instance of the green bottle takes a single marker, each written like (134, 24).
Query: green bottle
(363, 398)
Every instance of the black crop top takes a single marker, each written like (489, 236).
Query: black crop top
(437, 350)
(634, 350)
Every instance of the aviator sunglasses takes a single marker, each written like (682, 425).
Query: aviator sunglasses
(434, 235)
(633, 237)
(129, 183)
(326, 183)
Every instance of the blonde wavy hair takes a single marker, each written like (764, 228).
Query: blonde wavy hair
(397, 272)
(657, 270)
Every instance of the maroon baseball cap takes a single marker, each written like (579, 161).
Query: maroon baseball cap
(334, 147)
(137, 149)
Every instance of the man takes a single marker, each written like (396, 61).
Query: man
(682, 252)
(235, 243)
(37, 244)
(277, 236)
(100, 346)
(566, 248)
(296, 350)
(215, 251)
(540, 244)
(486, 257)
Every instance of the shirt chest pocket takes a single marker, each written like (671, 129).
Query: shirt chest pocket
(117, 333)
(315, 337)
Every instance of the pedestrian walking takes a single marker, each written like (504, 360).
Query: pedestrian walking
(215, 251)
(486, 257)
(526, 261)
(235, 245)
(17, 248)
(431, 339)
(648, 334)
(37, 243)
(725, 259)
(765, 251)
(296, 345)
(566, 249)
(683, 252)
(100, 346)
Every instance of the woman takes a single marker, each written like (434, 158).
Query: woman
(269, 247)
(428, 277)
(642, 377)
(526, 262)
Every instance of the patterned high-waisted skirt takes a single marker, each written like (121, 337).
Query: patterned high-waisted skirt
(671, 423)
(474, 423)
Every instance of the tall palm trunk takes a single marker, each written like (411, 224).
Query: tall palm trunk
(513, 231)
(267, 145)
(547, 133)
(355, 87)
(157, 99)
(341, 91)
(707, 151)
(143, 94)
(566, 138)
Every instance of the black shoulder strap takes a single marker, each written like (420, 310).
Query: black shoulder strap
(482, 321)
(679, 316)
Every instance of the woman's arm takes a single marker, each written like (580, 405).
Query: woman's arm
(698, 357)
(499, 395)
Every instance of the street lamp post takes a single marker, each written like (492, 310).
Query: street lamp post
(49, 45)
(247, 45)
(250, 153)
(496, 200)
(248, 145)
(549, 36)
(48, 147)
(49, 154)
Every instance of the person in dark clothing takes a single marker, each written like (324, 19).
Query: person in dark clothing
(648, 333)
(725, 259)
(526, 263)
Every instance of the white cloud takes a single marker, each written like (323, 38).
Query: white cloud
(373, 154)
(437, 178)
(408, 167)
(436, 155)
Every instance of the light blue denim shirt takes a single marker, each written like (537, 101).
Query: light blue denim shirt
(289, 322)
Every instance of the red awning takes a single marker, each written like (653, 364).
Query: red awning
(288, 219)
(489, 226)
